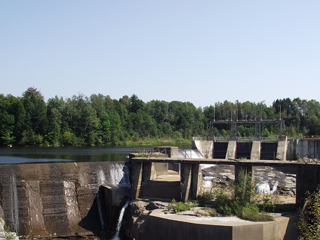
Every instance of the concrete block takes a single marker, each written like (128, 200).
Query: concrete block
(204, 147)
(255, 150)
(136, 178)
(179, 227)
(231, 150)
(172, 152)
(186, 175)
(282, 149)
(196, 184)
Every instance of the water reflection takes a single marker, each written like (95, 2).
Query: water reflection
(73, 154)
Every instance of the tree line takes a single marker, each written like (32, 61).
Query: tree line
(100, 120)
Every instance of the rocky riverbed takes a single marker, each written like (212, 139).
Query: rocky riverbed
(221, 175)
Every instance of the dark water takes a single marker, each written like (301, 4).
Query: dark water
(66, 154)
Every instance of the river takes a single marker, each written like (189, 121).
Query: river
(17, 155)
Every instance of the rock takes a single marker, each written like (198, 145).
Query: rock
(221, 175)
(137, 223)
(157, 205)
(137, 207)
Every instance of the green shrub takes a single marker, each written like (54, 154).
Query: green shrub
(142, 154)
(206, 196)
(241, 203)
(180, 206)
(8, 234)
(309, 221)
(267, 205)
(212, 212)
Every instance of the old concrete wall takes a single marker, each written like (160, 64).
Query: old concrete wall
(308, 147)
(308, 179)
(231, 151)
(204, 147)
(185, 227)
(51, 200)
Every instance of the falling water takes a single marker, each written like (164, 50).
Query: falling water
(119, 176)
(116, 237)
(264, 187)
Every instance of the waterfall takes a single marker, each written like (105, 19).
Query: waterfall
(116, 236)
(119, 176)
(207, 181)
(264, 187)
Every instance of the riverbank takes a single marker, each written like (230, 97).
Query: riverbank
(145, 142)
(181, 142)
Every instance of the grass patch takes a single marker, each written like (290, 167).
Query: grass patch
(211, 211)
(159, 142)
(180, 206)
(8, 234)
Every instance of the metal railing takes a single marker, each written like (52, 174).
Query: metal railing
(240, 139)
(202, 138)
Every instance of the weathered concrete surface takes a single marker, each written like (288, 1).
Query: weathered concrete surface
(310, 176)
(308, 147)
(172, 152)
(204, 147)
(231, 150)
(282, 149)
(255, 150)
(227, 228)
(51, 200)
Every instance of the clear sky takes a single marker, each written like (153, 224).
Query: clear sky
(197, 51)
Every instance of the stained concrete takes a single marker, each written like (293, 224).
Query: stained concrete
(255, 150)
(231, 150)
(282, 149)
(52, 200)
(204, 147)
(219, 228)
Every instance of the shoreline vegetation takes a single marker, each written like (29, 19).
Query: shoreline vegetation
(98, 120)
(149, 142)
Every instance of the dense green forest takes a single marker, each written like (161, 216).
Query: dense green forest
(100, 120)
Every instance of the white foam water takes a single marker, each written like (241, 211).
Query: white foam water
(264, 187)
(119, 175)
(116, 236)
(207, 181)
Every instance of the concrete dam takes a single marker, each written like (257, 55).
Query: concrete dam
(85, 199)
(62, 199)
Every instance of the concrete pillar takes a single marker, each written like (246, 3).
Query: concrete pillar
(149, 172)
(186, 171)
(136, 178)
(282, 149)
(307, 179)
(255, 150)
(231, 150)
(196, 181)
(204, 147)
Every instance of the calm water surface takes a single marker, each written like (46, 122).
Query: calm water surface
(64, 154)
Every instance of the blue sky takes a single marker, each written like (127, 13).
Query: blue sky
(197, 51)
